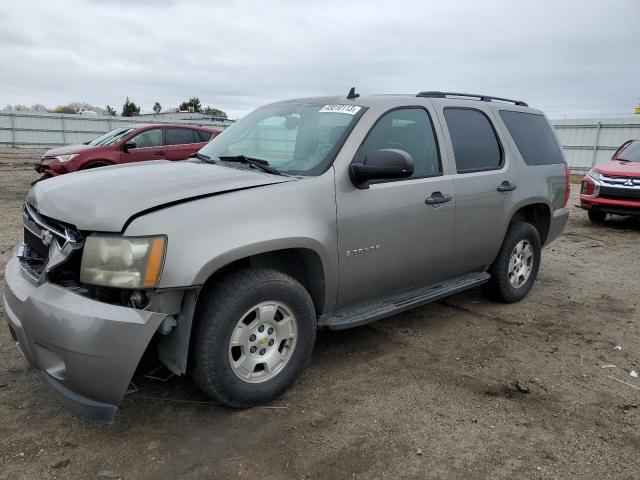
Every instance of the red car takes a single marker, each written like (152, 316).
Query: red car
(614, 187)
(134, 143)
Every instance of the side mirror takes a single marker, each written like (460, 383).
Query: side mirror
(128, 146)
(381, 164)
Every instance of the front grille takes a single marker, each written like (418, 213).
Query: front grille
(35, 244)
(615, 193)
(40, 233)
(619, 180)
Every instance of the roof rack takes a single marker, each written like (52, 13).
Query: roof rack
(483, 98)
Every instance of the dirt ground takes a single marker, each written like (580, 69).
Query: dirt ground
(436, 392)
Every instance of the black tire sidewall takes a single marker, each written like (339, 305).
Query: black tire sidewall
(500, 284)
(217, 320)
(596, 216)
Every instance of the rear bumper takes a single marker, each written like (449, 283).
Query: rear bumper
(559, 220)
(87, 350)
(608, 205)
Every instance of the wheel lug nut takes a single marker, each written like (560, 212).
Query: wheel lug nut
(270, 331)
(262, 351)
(261, 328)
(252, 338)
(271, 342)
(253, 349)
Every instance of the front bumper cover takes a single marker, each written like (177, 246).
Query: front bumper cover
(87, 350)
(607, 205)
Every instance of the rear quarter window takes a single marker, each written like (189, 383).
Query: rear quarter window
(533, 137)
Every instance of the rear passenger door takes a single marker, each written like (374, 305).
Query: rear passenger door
(484, 181)
(181, 142)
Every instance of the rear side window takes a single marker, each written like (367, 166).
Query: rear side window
(475, 145)
(203, 135)
(179, 136)
(533, 137)
(408, 129)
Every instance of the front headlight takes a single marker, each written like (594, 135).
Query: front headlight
(123, 262)
(66, 158)
(593, 173)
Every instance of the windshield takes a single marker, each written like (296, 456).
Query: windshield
(631, 153)
(111, 137)
(295, 138)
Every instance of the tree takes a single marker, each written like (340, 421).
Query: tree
(214, 112)
(18, 107)
(157, 107)
(191, 105)
(110, 111)
(129, 109)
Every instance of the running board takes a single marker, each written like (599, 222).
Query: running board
(400, 302)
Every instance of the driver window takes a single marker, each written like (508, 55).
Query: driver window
(149, 138)
(408, 129)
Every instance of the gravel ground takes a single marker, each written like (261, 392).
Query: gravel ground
(463, 388)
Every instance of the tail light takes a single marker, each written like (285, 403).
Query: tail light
(567, 185)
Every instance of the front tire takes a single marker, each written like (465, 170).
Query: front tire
(515, 269)
(596, 216)
(253, 333)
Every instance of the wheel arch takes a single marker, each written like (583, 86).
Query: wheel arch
(302, 263)
(537, 214)
(92, 163)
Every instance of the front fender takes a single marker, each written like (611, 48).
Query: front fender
(210, 233)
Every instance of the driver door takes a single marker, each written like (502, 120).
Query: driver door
(389, 237)
(149, 146)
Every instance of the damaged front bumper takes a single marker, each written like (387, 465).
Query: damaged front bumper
(87, 350)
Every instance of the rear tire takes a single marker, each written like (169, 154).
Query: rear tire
(597, 216)
(253, 333)
(516, 267)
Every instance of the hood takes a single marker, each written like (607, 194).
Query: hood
(103, 199)
(68, 150)
(620, 168)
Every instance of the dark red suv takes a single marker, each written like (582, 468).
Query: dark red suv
(614, 187)
(134, 143)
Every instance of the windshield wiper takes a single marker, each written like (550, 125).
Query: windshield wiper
(202, 156)
(255, 162)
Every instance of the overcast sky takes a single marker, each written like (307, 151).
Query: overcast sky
(564, 56)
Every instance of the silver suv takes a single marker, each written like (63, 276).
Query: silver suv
(311, 213)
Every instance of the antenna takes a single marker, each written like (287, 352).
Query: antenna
(352, 94)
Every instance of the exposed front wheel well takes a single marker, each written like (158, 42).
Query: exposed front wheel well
(538, 215)
(95, 164)
(300, 263)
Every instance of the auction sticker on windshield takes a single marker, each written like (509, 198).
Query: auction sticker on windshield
(350, 109)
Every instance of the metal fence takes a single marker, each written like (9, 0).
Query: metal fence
(592, 141)
(45, 130)
(585, 142)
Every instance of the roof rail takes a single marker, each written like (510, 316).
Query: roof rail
(483, 98)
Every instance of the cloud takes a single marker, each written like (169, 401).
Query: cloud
(237, 55)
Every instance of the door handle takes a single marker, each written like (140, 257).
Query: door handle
(437, 198)
(506, 186)
(161, 153)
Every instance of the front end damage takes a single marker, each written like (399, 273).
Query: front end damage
(86, 340)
